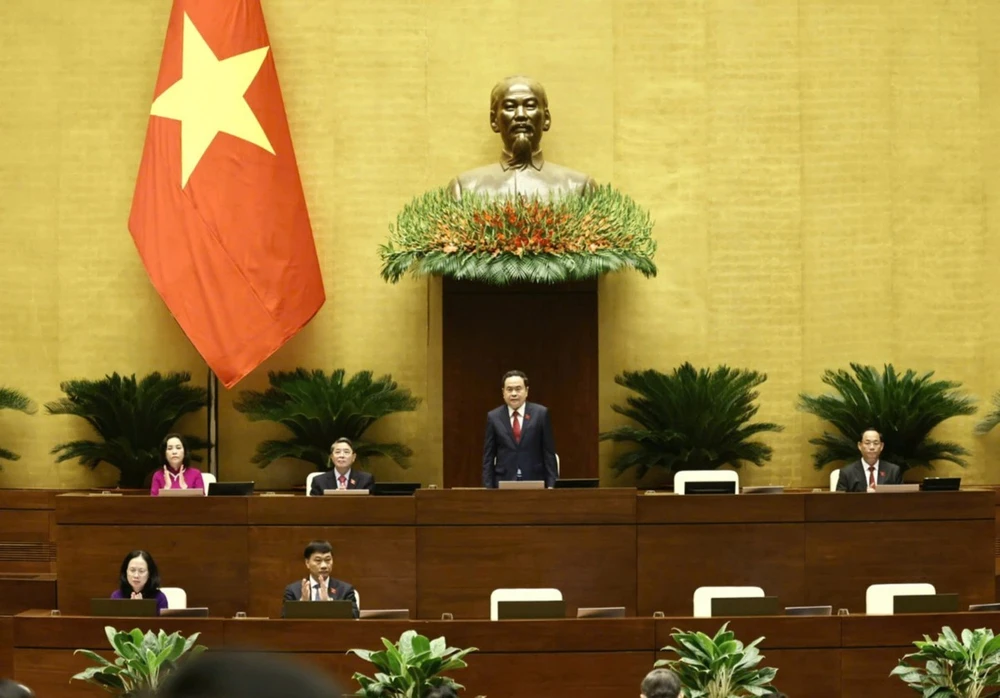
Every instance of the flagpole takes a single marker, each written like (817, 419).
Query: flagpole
(213, 423)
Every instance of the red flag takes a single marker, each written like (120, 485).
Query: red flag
(218, 216)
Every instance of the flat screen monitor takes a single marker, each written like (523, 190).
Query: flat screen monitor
(193, 612)
(395, 488)
(529, 610)
(746, 606)
(941, 484)
(577, 483)
(123, 608)
(925, 603)
(710, 487)
(319, 609)
(601, 612)
(808, 610)
(230, 489)
(385, 613)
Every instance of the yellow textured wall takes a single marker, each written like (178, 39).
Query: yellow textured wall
(825, 177)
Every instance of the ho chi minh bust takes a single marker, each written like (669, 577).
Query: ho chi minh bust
(519, 112)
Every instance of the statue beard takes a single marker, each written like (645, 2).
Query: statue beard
(520, 150)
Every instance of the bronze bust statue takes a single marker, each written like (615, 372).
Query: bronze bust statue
(519, 112)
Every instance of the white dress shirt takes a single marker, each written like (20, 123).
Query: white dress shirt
(314, 585)
(868, 471)
(520, 416)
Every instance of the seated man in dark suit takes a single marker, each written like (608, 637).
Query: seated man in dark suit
(519, 444)
(867, 474)
(319, 585)
(343, 476)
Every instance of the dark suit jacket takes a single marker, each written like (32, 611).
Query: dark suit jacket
(535, 455)
(360, 480)
(854, 477)
(339, 591)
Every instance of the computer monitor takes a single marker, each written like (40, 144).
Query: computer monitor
(575, 483)
(710, 487)
(123, 608)
(193, 612)
(745, 606)
(925, 603)
(319, 609)
(230, 489)
(941, 484)
(395, 488)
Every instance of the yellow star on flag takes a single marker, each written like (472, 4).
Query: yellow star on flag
(208, 99)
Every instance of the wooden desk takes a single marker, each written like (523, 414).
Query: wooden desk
(27, 550)
(446, 550)
(818, 657)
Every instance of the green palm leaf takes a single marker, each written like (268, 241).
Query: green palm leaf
(318, 409)
(992, 419)
(11, 399)
(904, 408)
(690, 419)
(131, 417)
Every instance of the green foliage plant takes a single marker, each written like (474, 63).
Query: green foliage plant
(318, 409)
(992, 419)
(953, 667)
(11, 399)
(905, 408)
(411, 667)
(719, 666)
(132, 417)
(690, 419)
(500, 240)
(141, 660)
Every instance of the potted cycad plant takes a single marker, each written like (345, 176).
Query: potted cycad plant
(719, 666)
(905, 408)
(690, 419)
(11, 399)
(319, 409)
(953, 667)
(411, 667)
(141, 660)
(132, 417)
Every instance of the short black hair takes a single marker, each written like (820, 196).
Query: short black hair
(13, 689)
(163, 450)
(152, 587)
(318, 546)
(514, 374)
(246, 675)
(661, 683)
(342, 440)
(865, 431)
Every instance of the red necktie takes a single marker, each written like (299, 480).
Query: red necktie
(871, 478)
(343, 482)
(517, 430)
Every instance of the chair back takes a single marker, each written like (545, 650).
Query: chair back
(834, 479)
(703, 597)
(499, 595)
(206, 479)
(879, 597)
(309, 482)
(685, 476)
(176, 597)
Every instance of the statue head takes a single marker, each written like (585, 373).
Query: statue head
(519, 112)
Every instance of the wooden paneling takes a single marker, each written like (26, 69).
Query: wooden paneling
(24, 525)
(458, 566)
(865, 672)
(506, 507)
(209, 562)
(674, 560)
(20, 593)
(48, 672)
(779, 632)
(337, 510)
(901, 506)
(113, 510)
(842, 559)
(6, 646)
(550, 333)
(380, 561)
(758, 508)
(27, 534)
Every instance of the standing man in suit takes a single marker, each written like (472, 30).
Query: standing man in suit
(519, 443)
(867, 474)
(319, 585)
(343, 476)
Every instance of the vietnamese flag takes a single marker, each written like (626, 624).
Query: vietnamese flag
(218, 216)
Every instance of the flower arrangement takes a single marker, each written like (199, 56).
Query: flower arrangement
(522, 239)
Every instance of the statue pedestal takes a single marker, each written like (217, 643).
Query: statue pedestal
(547, 331)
